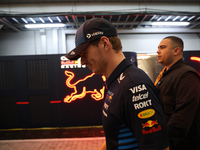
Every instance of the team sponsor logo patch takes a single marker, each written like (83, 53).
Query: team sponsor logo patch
(150, 127)
(108, 100)
(111, 93)
(105, 114)
(152, 130)
(94, 34)
(72, 53)
(142, 104)
(138, 88)
(149, 123)
(121, 78)
(109, 96)
(106, 106)
(146, 113)
(140, 97)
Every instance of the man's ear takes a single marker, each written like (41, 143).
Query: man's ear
(177, 51)
(105, 42)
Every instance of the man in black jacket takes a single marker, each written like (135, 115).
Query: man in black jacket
(179, 88)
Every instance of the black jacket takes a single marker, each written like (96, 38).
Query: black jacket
(179, 90)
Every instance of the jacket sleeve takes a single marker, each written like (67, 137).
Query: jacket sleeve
(186, 104)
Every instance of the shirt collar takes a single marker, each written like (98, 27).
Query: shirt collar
(177, 64)
(118, 70)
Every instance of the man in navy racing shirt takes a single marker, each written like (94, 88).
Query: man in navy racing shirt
(132, 115)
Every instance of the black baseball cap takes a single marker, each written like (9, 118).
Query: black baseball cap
(89, 31)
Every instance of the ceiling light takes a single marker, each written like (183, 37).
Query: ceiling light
(44, 25)
(183, 18)
(159, 18)
(15, 20)
(170, 23)
(42, 20)
(191, 18)
(24, 20)
(50, 19)
(168, 18)
(58, 19)
(176, 18)
(32, 20)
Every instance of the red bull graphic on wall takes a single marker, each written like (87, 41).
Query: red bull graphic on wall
(66, 63)
(192, 58)
(195, 58)
(72, 64)
(95, 94)
(69, 92)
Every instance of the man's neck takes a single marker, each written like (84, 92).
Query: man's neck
(167, 67)
(113, 63)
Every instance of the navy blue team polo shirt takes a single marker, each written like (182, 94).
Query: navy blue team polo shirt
(132, 114)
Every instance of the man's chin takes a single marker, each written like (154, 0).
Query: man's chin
(160, 61)
(96, 72)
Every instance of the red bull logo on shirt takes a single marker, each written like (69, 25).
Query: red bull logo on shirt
(151, 128)
(149, 123)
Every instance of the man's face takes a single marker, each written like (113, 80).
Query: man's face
(93, 57)
(165, 52)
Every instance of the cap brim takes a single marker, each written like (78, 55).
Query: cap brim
(75, 53)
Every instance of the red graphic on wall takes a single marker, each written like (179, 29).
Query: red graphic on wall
(95, 94)
(195, 58)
